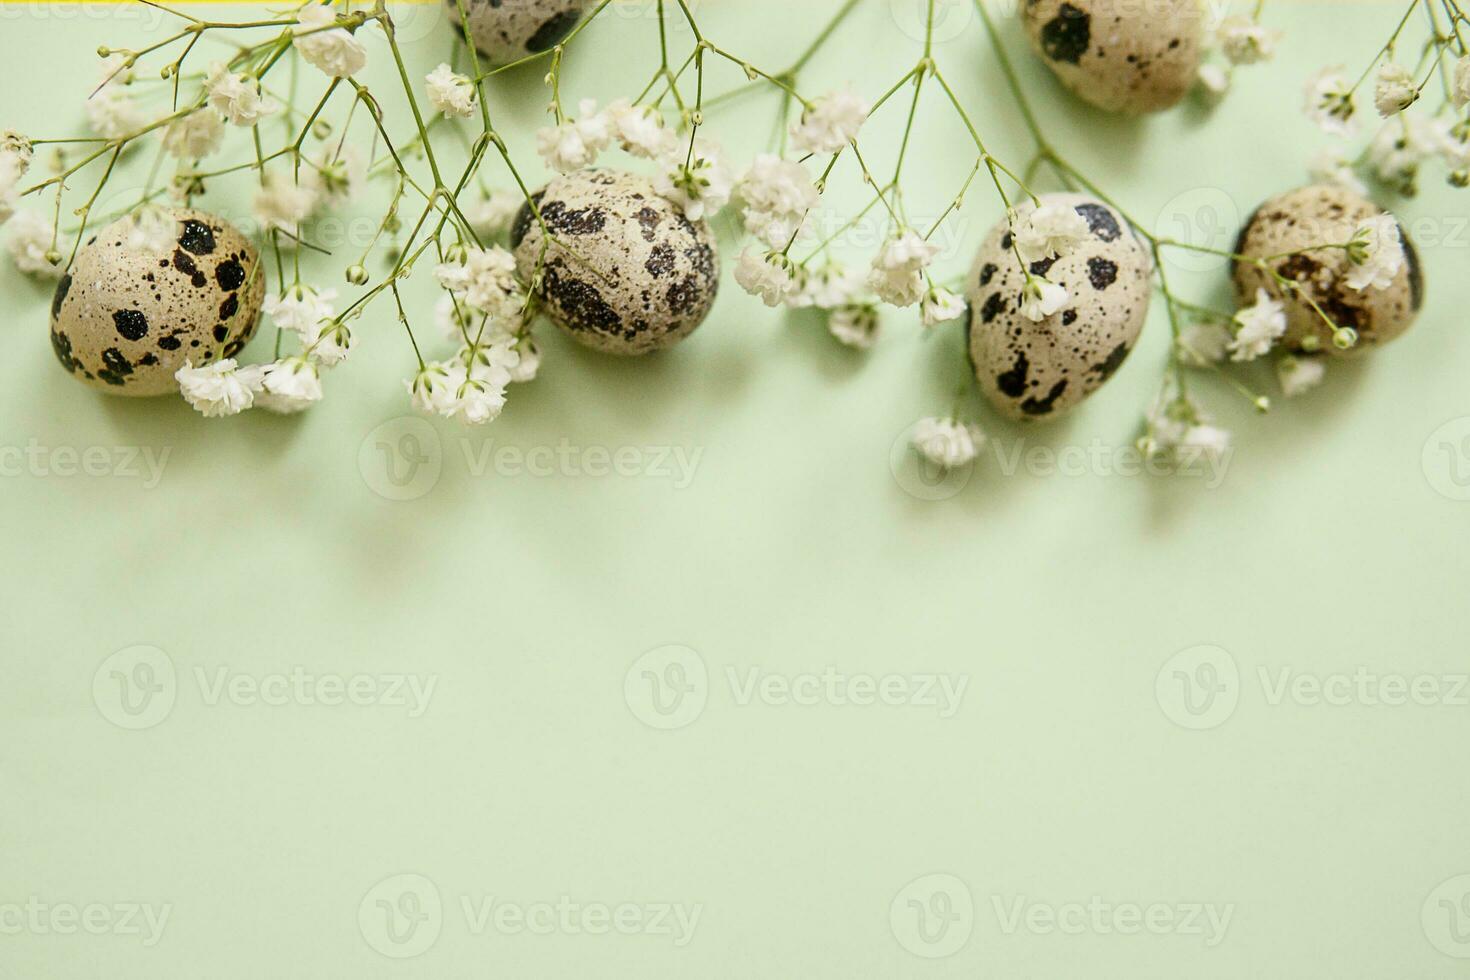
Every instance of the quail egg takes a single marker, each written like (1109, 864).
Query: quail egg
(1032, 370)
(1319, 215)
(1120, 55)
(508, 30)
(626, 272)
(130, 311)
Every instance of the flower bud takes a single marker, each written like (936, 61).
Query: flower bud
(1345, 338)
(357, 275)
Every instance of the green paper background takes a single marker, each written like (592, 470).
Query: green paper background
(1071, 606)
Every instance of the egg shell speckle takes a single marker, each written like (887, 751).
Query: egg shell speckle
(1314, 216)
(643, 277)
(124, 320)
(1030, 370)
(508, 30)
(1120, 55)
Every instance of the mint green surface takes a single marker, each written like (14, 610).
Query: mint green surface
(763, 521)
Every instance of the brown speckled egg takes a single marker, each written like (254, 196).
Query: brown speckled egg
(509, 30)
(1034, 370)
(124, 319)
(1120, 55)
(1314, 216)
(626, 273)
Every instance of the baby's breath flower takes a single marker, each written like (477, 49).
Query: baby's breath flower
(941, 306)
(1461, 87)
(237, 97)
(575, 144)
(302, 310)
(219, 389)
(855, 325)
(30, 245)
(768, 276)
(1396, 89)
(778, 195)
(1049, 231)
(699, 183)
(1330, 102)
(334, 51)
(290, 385)
(830, 123)
(1298, 375)
(1245, 42)
(640, 129)
(1376, 253)
(1042, 298)
(1257, 327)
(948, 443)
(450, 92)
(194, 136)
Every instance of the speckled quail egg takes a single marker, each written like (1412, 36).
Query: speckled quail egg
(128, 313)
(1120, 55)
(1033, 370)
(626, 272)
(1321, 215)
(508, 30)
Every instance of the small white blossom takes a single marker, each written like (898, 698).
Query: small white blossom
(855, 325)
(219, 389)
(831, 123)
(940, 306)
(768, 277)
(1330, 102)
(1245, 42)
(284, 204)
(333, 343)
(640, 129)
(433, 389)
(1396, 89)
(237, 97)
(1376, 254)
(529, 363)
(897, 275)
(1258, 327)
(1206, 442)
(1401, 146)
(1300, 374)
(195, 136)
(1461, 89)
(290, 386)
(29, 241)
(333, 177)
(575, 144)
(111, 110)
(778, 195)
(302, 310)
(1042, 298)
(948, 443)
(332, 50)
(476, 402)
(450, 92)
(1049, 231)
(832, 286)
(1203, 344)
(484, 279)
(1214, 78)
(15, 160)
(700, 184)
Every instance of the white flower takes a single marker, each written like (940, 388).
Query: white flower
(948, 443)
(237, 97)
(492, 213)
(855, 326)
(1328, 167)
(302, 310)
(484, 280)
(831, 123)
(30, 240)
(1396, 89)
(1214, 78)
(897, 275)
(1050, 231)
(450, 92)
(778, 195)
(112, 111)
(435, 387)
(700, 183)
(1376, 253)
(195, 136)
(1245, 42)
(1300, 374)
(1203, 344)
(332, 344)
(151, 230)
(941, 306)
(830, 287)
(219, 389)
(1401, 145)
(476, 402)
(1042, 298)
(331, 49)
(640, 129)
(1461, 90)
(529, 363)
(332, 178)
(290, 385)
(284, 204)
(1330, 102)
(15, 160)
(1257, 327)
(1204, 442)
(575, 144)
(768, 277)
